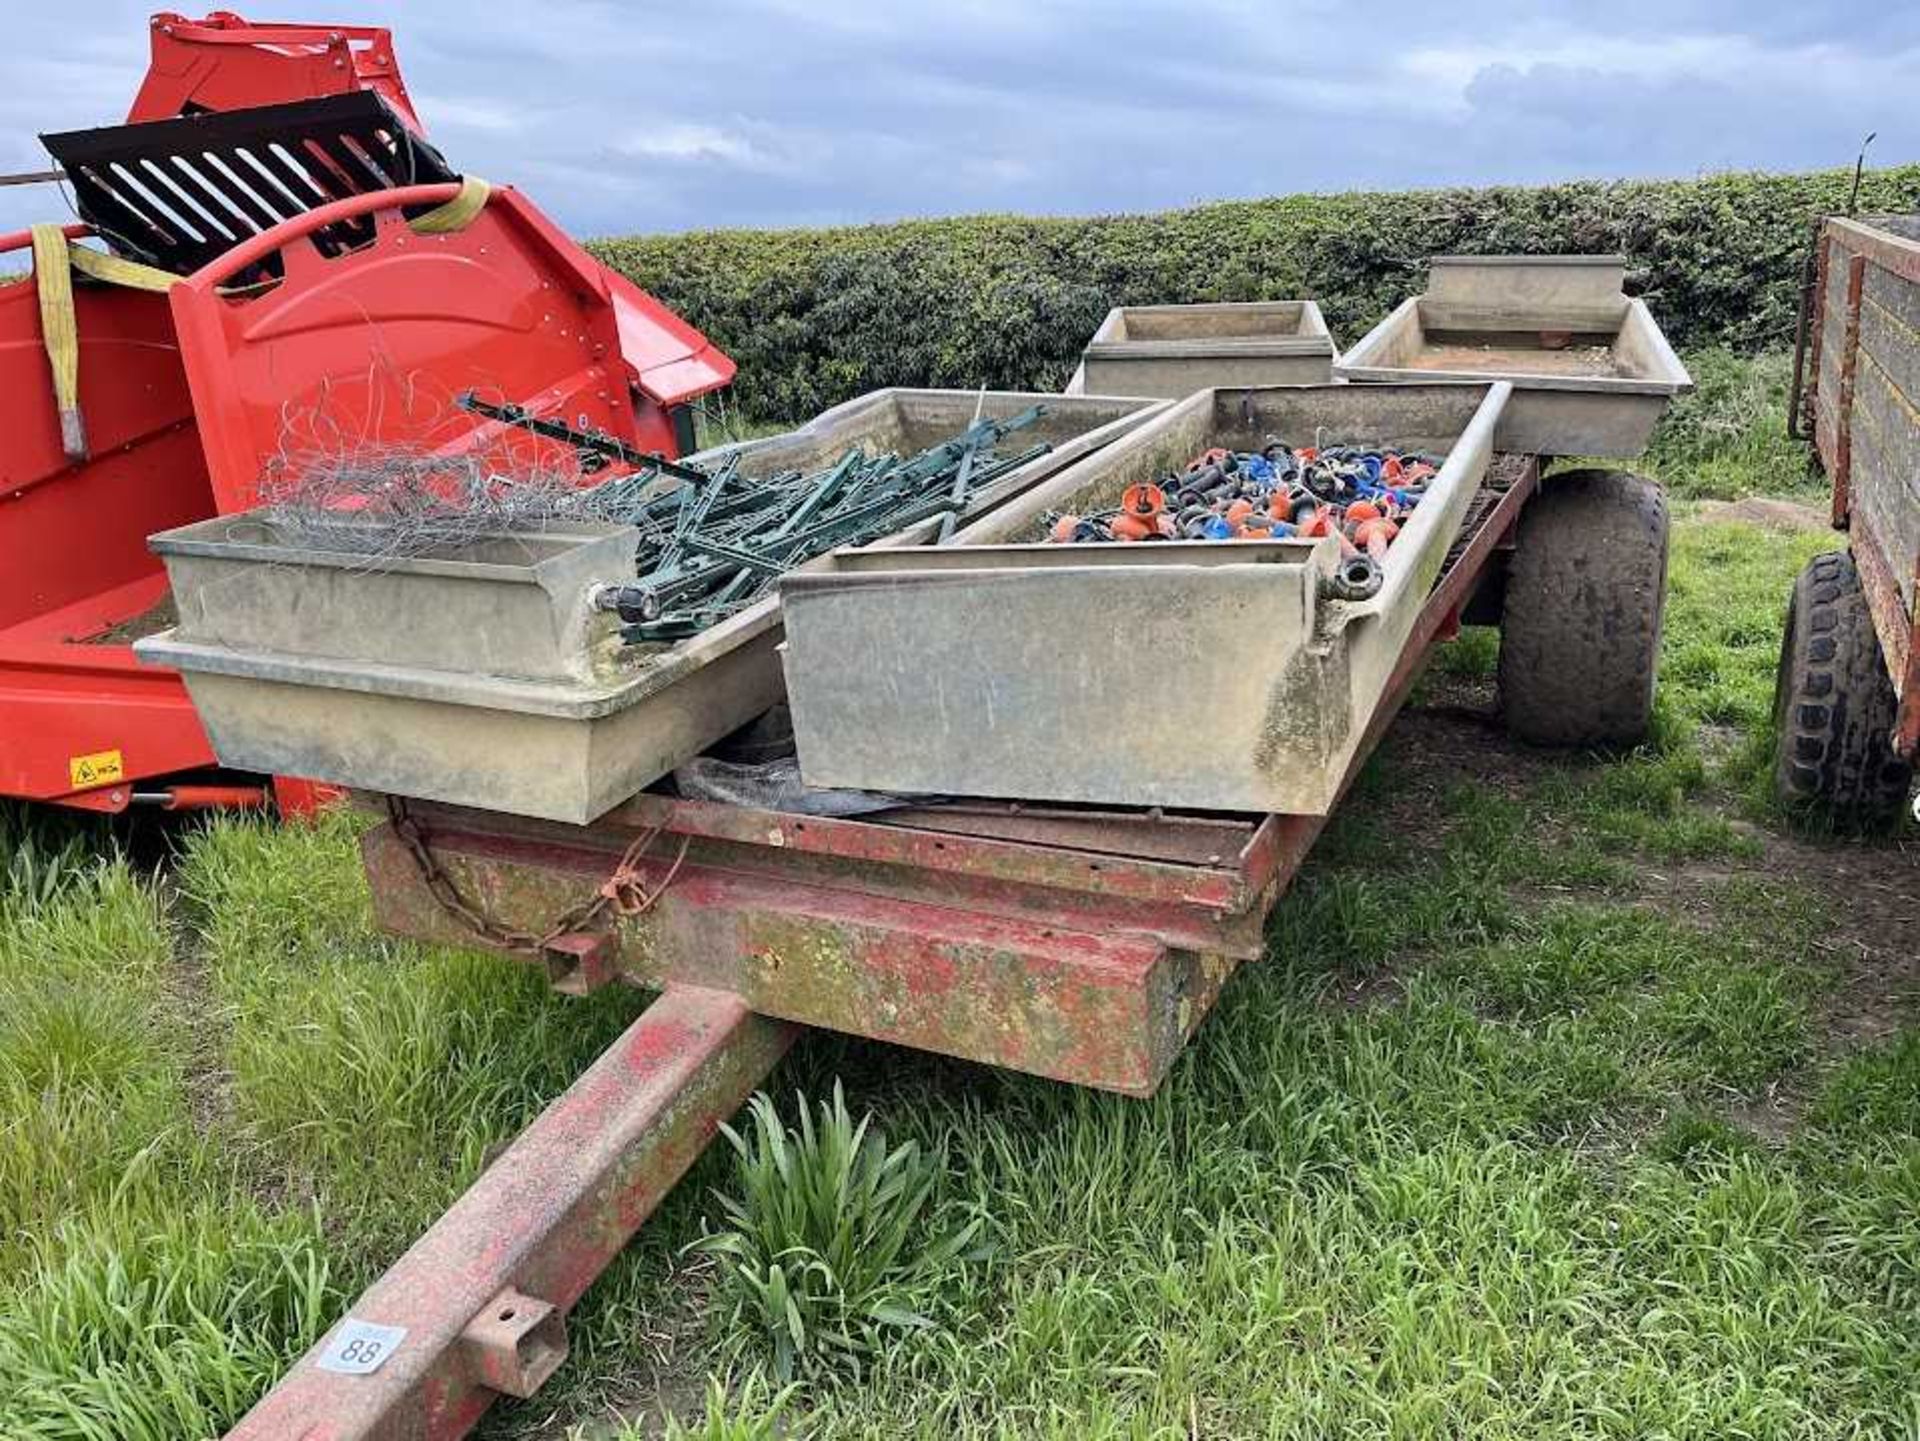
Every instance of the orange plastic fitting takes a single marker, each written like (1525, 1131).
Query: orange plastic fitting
(1374, 536)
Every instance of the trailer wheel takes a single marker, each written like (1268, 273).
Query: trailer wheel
(1834, 704)
(1580, 623)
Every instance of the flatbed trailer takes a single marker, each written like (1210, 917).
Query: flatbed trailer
(1848, 696)
(1078, 944)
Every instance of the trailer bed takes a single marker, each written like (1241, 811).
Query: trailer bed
(1069, 942)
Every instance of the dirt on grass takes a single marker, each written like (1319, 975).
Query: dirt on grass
(1868, 890)
(1766, 512)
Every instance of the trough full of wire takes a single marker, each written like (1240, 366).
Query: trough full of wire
(549, 649)
(1121, 635)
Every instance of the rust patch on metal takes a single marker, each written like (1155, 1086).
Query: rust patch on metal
(1070, 1002)
(1899, 633)
(1816, 337)
(1842, 470)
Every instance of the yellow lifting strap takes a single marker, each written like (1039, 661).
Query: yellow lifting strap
(458, 213)
(54, 261)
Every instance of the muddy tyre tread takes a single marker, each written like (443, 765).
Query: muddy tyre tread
(1585, 600)
(1834, 704)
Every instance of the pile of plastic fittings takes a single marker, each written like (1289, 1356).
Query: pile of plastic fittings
(1360, 495)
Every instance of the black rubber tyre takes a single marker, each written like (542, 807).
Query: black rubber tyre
(1580, 624)
(1834, 705)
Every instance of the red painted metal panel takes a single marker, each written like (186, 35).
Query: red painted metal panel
(539, 1225)
(68, 531)
(223, 62)
(666, 358)
(376, 344)
(73, 546)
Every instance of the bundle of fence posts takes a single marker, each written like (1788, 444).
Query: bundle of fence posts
(712, 546)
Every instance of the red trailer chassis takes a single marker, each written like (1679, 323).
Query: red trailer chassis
(1081, 946)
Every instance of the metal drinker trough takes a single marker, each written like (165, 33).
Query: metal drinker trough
(1590, 369)
(414, 711)
(1235, 676)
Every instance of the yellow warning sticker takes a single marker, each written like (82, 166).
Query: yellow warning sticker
(102, 768)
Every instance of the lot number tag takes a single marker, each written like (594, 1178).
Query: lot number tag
(359, 1348)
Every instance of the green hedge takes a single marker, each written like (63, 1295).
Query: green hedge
(814, 316)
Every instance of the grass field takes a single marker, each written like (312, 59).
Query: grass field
(1574, 1098)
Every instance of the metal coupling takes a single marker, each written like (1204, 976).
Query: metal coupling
(632, 603)
(1356, 577)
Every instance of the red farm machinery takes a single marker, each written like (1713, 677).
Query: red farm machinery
(269, 234)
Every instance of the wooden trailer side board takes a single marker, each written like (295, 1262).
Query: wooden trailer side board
(1864, 398)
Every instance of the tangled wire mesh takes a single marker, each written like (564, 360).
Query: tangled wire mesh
(388, 468)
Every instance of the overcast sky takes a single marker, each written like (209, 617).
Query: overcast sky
(628, 117)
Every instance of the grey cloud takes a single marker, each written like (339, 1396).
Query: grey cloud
(778, 112)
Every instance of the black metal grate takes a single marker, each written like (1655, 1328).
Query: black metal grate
(179, 193)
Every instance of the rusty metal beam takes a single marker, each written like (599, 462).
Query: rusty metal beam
(1803, 317)
(1899, 632)
(1906, 726)
(1173, 861)
(1069, 996)
(1194, 881)
(1842, 470)
(1816, 338)
(476, 1308)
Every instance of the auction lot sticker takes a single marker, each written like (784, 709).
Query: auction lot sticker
(359, 1348)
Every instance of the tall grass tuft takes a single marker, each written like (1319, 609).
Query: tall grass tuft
(155, 1323)
(39, 857)
(834, 1242)
(1728, 439)
(757, 1413)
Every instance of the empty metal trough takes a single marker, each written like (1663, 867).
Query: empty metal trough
(1591, 371)
(1173, 350)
